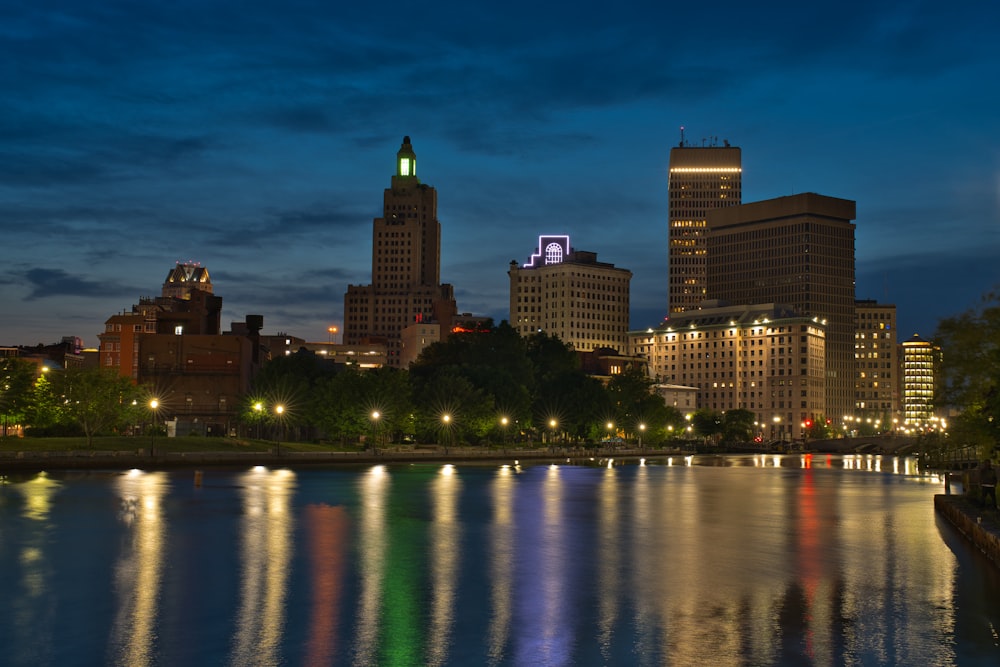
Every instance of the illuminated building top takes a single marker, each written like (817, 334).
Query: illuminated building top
(551, 250)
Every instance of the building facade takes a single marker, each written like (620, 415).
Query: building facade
(186, 305)
(701, 178)
(570, 295)
(920, 359)
(799, 251)
(765, 358)
(406, 266)
(876, 380)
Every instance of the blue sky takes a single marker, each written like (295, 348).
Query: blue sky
(257, 138)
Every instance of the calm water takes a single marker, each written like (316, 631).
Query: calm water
(736, 561)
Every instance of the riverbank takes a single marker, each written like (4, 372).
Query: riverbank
(84, 459)
(980, 526)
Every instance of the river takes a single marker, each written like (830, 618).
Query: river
(740, 560)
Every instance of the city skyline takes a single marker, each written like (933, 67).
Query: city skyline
(258, 144)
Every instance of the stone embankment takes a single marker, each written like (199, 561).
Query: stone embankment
(123, 460)
(977, 525)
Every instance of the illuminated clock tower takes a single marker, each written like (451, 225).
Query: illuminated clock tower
(406, 265)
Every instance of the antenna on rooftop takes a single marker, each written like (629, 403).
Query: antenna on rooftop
(682, 136)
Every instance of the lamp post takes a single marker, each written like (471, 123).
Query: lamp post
(642, 429)
(777, 425)
(503, 424)
(153, 405)
(333, 332)
(279, 410)
(610, 426)
(375, 416)
(552, 436)
(446, 423)
(258, 409)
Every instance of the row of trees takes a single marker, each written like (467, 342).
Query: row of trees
(492, 386)
(487, 387)
(76, 401)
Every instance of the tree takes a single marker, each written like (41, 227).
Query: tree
(288, 382)
(707, 423)
(970, 372)
(737, 425)
(96, 399)
(16, 380)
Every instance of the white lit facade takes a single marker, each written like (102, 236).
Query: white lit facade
(919, 365)
(569, 294)
(763, 358)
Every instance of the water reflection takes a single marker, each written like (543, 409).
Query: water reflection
(609, 566)
(327, 532)
(266, 553)
(544, 634)
(139, 571)
(501, 563)
(730, 561)
(372, 542)
(445, 550)
(29, 604)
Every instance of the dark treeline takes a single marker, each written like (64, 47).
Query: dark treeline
(475, 388)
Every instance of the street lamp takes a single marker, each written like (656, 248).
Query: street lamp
(777, 427)
(446, 422)
(503, 423)
(375, 415)
(552, 425)
(279, 410)
(153, 405)
(642, 429)
(333, 332)
(258, 409)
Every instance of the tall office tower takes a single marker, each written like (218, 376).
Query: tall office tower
(919, 369)
(876, 396)
(406, 266)
(701, 178)
(765, 358)
(796, 250)
(569, 294)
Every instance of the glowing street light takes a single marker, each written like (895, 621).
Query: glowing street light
(642, 429)
(446, 423)
(279, 410)
(375, 416)
(333, 332)
(504, 421)
(153, 405)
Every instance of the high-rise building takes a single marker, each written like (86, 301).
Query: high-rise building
(701, 178)
(919, 366)
(764, 358)
(876, 395)
(569, 294)
(796, 250)
(406, 266)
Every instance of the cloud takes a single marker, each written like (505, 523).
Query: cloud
(46, 283)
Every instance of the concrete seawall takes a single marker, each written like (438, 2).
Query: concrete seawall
(983, 532)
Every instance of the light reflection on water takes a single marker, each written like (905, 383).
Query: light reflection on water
(372, 542)
(501, 550)
(752, 560)
(140, 568)
(266, 552)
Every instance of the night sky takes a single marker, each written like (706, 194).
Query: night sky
(257, 138)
